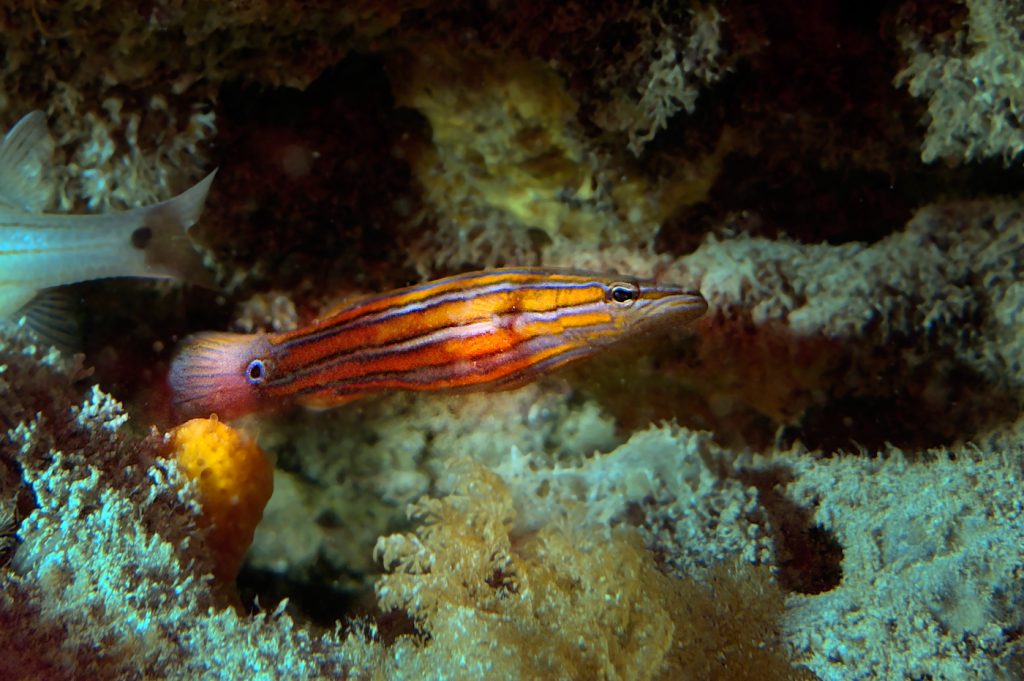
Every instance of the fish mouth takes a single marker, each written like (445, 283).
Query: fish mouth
(672, 305)
(690, 300)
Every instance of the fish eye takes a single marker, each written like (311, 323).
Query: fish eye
(623, 293)
(256, 372)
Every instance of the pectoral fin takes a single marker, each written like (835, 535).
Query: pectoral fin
(53, 316)
(12, 299)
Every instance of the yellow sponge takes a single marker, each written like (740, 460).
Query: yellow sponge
(234, 479)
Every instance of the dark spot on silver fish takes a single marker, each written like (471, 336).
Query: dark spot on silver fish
(141, 237)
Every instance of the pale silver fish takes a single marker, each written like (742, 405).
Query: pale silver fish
(41, 250)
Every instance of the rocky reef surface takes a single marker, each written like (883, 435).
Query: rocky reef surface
(821, 479)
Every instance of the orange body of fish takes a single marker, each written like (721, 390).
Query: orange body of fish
(483, 330)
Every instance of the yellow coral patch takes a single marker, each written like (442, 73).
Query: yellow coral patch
(234, 480)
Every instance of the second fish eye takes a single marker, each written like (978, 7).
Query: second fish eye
(256, 372)
(621, 293)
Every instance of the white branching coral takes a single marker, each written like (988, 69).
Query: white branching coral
(100, 411)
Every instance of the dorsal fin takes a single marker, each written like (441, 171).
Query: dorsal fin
(341, 305)
(25, 153)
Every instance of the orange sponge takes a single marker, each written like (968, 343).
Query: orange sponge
(234, 480)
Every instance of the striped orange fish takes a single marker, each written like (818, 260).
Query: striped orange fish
(482, 330)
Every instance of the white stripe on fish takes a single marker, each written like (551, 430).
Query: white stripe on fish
(42, 250)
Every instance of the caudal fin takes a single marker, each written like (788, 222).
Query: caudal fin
(210, 375)
(163, 236)
(25, 154)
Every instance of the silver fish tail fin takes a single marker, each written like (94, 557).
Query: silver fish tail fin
(25, 154)
(163, 236)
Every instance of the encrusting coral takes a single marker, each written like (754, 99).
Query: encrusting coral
(925, 319)
(681, 490)
(936, 582)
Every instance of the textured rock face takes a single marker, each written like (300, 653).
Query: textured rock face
(825, 472)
